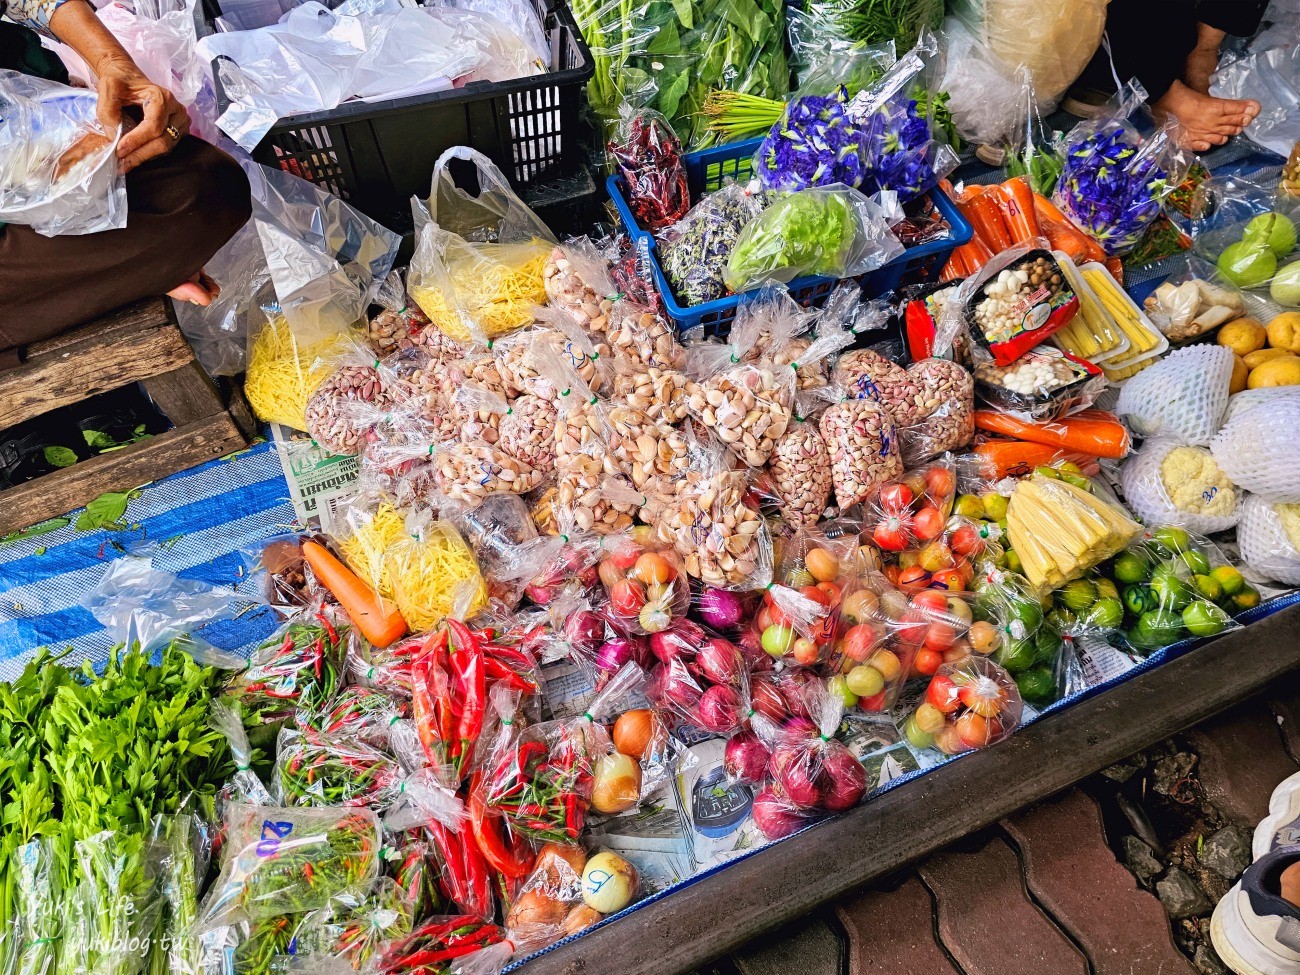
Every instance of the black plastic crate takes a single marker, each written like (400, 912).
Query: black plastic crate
(377, 155)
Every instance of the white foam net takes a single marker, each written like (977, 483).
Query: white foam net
(1257, 446)
(1185, 396)
(1264, 543)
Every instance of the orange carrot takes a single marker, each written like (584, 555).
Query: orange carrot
(1116, 268)
(956, 266)
(1015, 198)
(1063, 235)
(1093, 432)
(974, 255)
(372, 614)
(983, 213)
(1017, 458)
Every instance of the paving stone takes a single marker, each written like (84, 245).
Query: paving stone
(1227, 851)
(810, 946)
(1170, 770)
(1242, 761)
(892, 932)
(986, 920)
(1284, 699)
(1140, 859)
(1074, 875)
(1208, 963)
(1180, 895)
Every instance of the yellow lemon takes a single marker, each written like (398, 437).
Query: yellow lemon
(1282, 371)
(1262, 356)
(1284, 331)
(1243, 336)
(1240, 371)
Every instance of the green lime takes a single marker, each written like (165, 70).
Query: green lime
(1229, 578)
(1013, 562)
(1172, 539)
(969, 506)
(1016, 655)
(1106, 589)
(1077, 595)
(1157, 628)
(1205, 619)
(1195, 560)
(1037, 685)
(1208, 586)
(1046, 646)
(1025, 611)
(995, 506)
(839, 687)
(1131, 567)
(1169, 586)
(1061, 620)
(1105, 613)
(1245, 598)
(1139, 599)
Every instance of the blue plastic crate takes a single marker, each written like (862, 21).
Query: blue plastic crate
(706, 170)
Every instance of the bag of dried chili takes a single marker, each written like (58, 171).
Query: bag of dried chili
(648, 155)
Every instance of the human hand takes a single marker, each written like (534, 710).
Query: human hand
(165, 121)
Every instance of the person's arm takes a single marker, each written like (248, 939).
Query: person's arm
(121, 85)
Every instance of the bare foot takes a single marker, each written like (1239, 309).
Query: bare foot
(1201, 63)
(199, 290)
(1206, 121)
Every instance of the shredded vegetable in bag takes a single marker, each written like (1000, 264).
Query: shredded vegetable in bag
(433, 571)
(479, 261)
(284, 371)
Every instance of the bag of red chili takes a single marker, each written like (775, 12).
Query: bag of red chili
(648, 155)
(1018, 300)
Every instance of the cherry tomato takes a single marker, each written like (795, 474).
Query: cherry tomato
(913, 579)
(764, 618)
(912, 627)
(816, 594)
(928, 662)
(832, 592)
(940, 484)
(805, 652)
(859, 605)
(859, 641)
(627, 597)
(874, 703)
(956, 653)
(894, 533)
(973, 729)
(892, 572)
(626, 557)
(896, 498)
(976, 698)
(965, 541)
(609, 572)
(942, 693)
(887, 662)
(948, 580)
(928, 523)
(948, 740)
(939, 636)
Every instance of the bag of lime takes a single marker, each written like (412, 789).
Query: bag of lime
(1169, 585)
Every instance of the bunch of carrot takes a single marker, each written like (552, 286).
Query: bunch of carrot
(1081, 438)
(1009, 214)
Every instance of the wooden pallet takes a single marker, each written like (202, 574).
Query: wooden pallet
(140, 343)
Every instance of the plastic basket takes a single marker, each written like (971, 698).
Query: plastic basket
(377, 155)
(706, 170)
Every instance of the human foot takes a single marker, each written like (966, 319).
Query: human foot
(1201, 63)
(199, 290)
(1206, 121)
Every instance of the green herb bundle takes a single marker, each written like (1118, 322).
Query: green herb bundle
(87, 762)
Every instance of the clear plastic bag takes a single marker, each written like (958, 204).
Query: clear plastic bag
(185, 847)
(900, 153)
(353, 928)
(479, 260)
(402, 325)
(1193, 302)
(244, 785)
(831, 231)
(1043, 384)
(695, 250)
(359, 388)
(1256, 446)
(1269, 75)
(1116, 178)
(36, 921)
(1267, 535)
(434, 574)
(864, 447)
(578, 281)
(648, 154)
(468, 944)
(971, 704)
(61, 175)
(814, 143)
(1247, 229)
(1170, 483)
(943, 416)
(279, 861)
(703, 681)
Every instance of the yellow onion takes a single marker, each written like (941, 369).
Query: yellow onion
(617, 784)
(608, 883)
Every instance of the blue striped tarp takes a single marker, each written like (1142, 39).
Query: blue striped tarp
(195, 523)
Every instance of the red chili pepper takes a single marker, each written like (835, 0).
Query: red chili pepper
(467, 666)
(510, 859)
(498, 671)
(423, 709)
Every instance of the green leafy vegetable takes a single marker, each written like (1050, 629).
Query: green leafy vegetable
(106, 511)
(60, 456)
(40, 528)
(809, 232)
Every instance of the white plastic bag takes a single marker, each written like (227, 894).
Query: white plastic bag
(59, 172)
(1272, 78)
(1184, 396)
(1256, 447)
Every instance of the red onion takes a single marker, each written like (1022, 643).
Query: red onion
(843, 779)
(680, 640)
(793, 685)
(796, 779)
(719, 661)
(614, 653)
(584, 631)
(720, 609)
(719, 708)
(773, 815)
(745, 759)
(767, 700)
(539, 595)
(676, 687)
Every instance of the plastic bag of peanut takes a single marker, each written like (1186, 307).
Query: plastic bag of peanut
(577, 279)
(944, 416)
(800, 473)
(527, 432)
(403, 325)
(863, 372)
(863, 444)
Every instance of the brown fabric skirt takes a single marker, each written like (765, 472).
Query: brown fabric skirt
(181, 209)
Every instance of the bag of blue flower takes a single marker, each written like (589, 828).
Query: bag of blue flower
(1116, 177)
(814, 144)
(899, 150)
